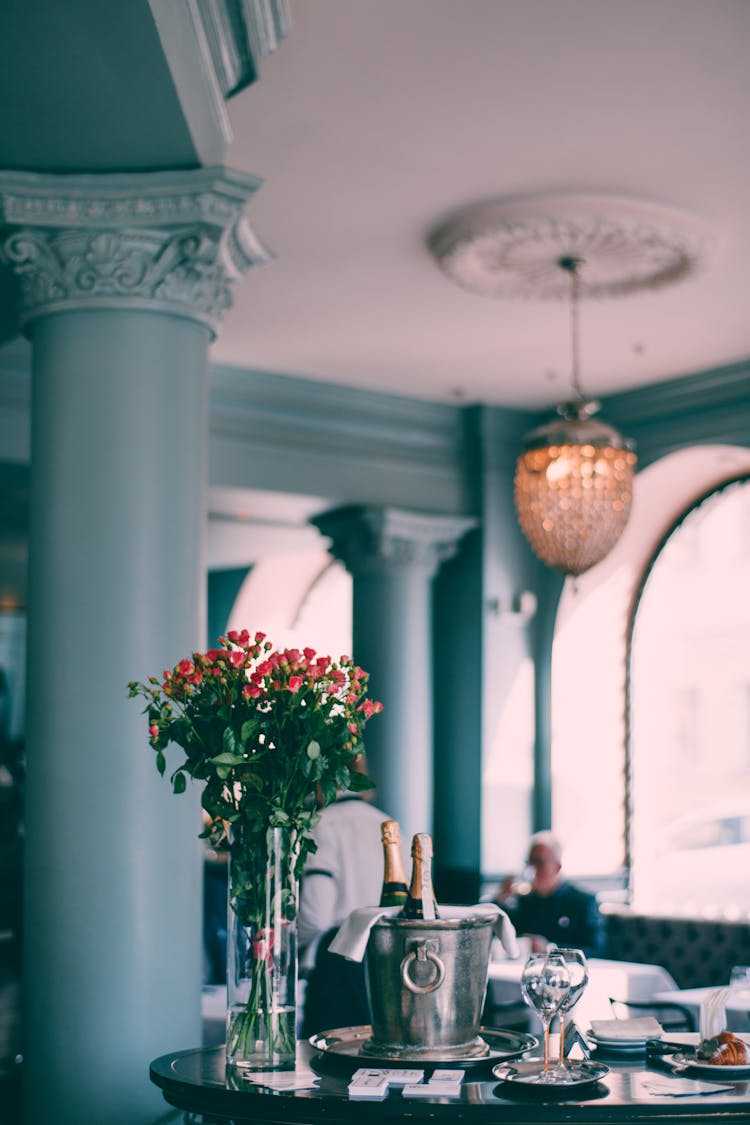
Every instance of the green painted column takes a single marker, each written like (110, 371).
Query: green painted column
(392, 556)
(124, 279)
(223, 587)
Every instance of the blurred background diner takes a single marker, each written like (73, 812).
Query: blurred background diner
(247, 380)
(548, 909)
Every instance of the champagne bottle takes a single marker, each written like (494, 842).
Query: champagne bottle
(420, 902)
(395, 890)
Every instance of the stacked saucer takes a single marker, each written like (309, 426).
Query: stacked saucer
(626, 1036)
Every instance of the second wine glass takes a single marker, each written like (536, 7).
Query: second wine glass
(545, 982)
(578, 971)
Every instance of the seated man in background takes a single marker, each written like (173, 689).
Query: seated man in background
(552, 910)
(344, 873)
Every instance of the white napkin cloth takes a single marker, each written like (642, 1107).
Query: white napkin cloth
(641, 1027)
(351, 940)
(713, 1016)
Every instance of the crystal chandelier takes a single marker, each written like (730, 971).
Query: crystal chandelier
(574, 478)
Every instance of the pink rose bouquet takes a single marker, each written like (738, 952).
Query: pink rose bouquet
(265, 733)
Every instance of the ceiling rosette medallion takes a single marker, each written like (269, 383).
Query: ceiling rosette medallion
(512, 248)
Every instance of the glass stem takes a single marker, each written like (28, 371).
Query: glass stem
(562, 1041)
(546, 1024)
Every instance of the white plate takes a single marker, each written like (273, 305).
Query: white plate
(637, 1044)
(711, 1070)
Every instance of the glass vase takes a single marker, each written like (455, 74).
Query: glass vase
(262, 951)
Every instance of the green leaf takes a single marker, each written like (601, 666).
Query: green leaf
(229, 741)
(252, 779)
(343, 777)
(227, 759)
(328, 788)
(179, 783)
(161, 763)
(313, 750)
(360, 782)
(248, 729)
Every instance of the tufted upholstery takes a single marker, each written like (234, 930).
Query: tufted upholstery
(696, 953)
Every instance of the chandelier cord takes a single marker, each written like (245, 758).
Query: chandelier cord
(572, 265)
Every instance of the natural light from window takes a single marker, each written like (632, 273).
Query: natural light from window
(690, 703)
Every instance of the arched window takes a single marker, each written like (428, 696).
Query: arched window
(690, 714)
(594, 806)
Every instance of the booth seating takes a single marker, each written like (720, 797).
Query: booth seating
(696, 953)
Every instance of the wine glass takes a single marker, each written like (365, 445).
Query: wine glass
(545, 982)
(578, 971)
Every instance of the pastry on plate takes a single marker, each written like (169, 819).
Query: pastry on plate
(725, 1049)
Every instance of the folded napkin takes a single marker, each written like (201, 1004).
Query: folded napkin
(713, 1016)
(351, 940)
(643, 1027)
(354, 932)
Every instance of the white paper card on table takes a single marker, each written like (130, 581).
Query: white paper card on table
(425, 1090)
(300, 1079)
(442, 1084)
(368, 1084)
(676, 1087)
(404, 1077)
(447, 1081)
(643, 1027)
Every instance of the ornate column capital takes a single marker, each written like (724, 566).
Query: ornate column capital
(169, 242)
(388, 540)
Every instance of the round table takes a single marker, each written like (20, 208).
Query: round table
(196, 1081)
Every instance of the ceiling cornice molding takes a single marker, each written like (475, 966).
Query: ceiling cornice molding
(706, 408)
(705, 390)
(312, 414)
(213, 50)
(283, 432)
(238, 34)
(188, 57)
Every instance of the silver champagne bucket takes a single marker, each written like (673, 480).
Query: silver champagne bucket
(426, 983)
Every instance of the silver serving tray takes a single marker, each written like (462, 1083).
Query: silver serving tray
(348, 1042)
(523, 1075)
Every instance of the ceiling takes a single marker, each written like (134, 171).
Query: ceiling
(376, 119)
(372, 122)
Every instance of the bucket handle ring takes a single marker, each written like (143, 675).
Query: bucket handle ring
(422, 953)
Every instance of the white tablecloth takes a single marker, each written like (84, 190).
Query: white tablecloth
(737, 1008)
(622, 980)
